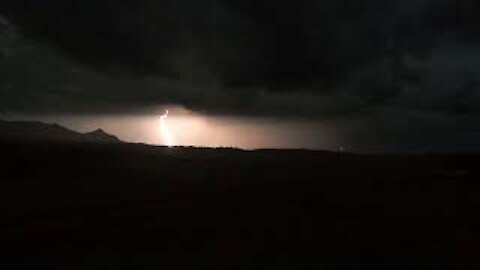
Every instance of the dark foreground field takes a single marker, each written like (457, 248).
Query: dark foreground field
(123, 206)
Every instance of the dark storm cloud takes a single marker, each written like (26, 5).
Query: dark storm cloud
(311, 57)
(273, 44)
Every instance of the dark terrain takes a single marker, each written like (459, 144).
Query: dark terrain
(73, 201)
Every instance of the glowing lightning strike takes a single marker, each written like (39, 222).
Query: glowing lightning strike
(167, 134)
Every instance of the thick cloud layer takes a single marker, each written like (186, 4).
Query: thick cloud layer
(308, 58)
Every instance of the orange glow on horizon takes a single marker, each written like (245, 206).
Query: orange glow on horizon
(180, 127)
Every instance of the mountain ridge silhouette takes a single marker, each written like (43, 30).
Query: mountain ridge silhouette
(38, 131)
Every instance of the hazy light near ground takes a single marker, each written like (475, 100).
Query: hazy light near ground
(181, 127)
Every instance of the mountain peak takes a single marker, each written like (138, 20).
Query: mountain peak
(100, 135)
(98, 131)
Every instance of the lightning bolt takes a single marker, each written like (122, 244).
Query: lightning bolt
(167, 134)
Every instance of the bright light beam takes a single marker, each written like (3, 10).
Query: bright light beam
(167, 134)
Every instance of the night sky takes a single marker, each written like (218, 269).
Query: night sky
(397, 75)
